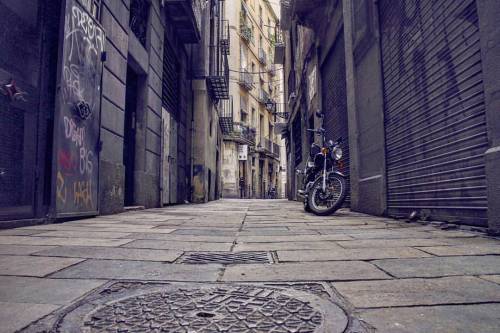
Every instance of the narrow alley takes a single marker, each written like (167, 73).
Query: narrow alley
(247, 266)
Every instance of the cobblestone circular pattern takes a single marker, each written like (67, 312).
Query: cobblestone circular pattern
(245, 309)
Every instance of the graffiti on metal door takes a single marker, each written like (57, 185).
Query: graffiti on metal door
(78, 118)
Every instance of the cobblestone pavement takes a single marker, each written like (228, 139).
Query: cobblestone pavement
(247, 266)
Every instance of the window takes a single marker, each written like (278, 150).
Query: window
(139, 12)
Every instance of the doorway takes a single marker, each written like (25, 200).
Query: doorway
(129, 134)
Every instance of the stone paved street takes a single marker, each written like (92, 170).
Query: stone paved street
(388, 276)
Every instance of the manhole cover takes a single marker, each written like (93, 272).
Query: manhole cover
(227, 258)
(196, 308)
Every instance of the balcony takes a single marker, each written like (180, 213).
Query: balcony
(246, 80)
(185, 17)
(225, 40)
(241, 133)
(226, 116)
(279, 112)
(263, 96)
(218, 78)
(262, 56)
(246, 33)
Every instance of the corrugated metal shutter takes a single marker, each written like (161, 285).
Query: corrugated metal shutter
(334, 95)
(434, 109)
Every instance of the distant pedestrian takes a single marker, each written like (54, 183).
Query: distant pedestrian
(242, 187)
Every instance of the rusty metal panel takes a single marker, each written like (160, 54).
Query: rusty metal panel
(435, 122)
(334, 94)
(77, 120)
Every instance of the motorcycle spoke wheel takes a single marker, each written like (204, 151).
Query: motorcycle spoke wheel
(329, 198)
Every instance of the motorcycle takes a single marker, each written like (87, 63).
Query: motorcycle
(324, 186)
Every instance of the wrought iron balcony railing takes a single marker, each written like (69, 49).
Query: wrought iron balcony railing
(246, 80)
(226, 116)
(246, 32)
(225, 40)
(218, 78)
(242, 133)
(280, 112)
(262, 56)
(263, 96)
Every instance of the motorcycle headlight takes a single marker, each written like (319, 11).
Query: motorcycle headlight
(337, 153)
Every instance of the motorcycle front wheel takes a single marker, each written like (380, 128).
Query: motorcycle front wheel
(327, 202)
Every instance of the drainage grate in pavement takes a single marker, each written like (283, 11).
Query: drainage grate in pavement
(200, 308)
(226, 258)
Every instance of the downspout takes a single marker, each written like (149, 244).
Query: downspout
(191, 176)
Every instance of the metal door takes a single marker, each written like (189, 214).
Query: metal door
(77, 120)
(20, 51)
(334, 95)
(434, 109)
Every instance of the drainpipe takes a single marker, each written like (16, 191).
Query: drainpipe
(191, 192)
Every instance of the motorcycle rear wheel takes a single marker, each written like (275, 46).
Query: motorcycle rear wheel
(336, 191)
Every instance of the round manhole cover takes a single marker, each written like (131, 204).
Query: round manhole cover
(232, 309)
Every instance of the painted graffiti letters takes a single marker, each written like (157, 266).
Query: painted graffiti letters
(61, 191)
(84, 31)
(82, 194)
(86, 165)
(73, 132)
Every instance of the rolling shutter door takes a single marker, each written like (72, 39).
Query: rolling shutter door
(434, 110)
(334, 95)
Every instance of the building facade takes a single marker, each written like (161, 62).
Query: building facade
(251, 161)
(102, 112)
(412, 88)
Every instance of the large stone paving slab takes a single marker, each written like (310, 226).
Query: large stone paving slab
(285, 246)
(483, 318)
(440, 266)
(379, 243)
(33, 266)
(140, 270)
(22, 249)
(492, 278)
(18, 289)
(205, 232)
(15, 316)
(412, 292)
(183, 238)
(292, 238)
(84, 234)
(118, 253)
(181, 246)
(22, 240)
(463, 250)
(350, 254)
(321, 271)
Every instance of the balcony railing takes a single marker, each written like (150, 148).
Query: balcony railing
(218, 79)
(242, 133)
(263, 96)
(246, 80)
(184, 15)
(225, 40)
(246, 32)
(262, 56)
(280, 112)
(226, 116)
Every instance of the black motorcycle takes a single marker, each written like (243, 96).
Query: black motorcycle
(324, 186)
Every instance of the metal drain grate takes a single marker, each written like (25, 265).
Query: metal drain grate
(227, 258)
